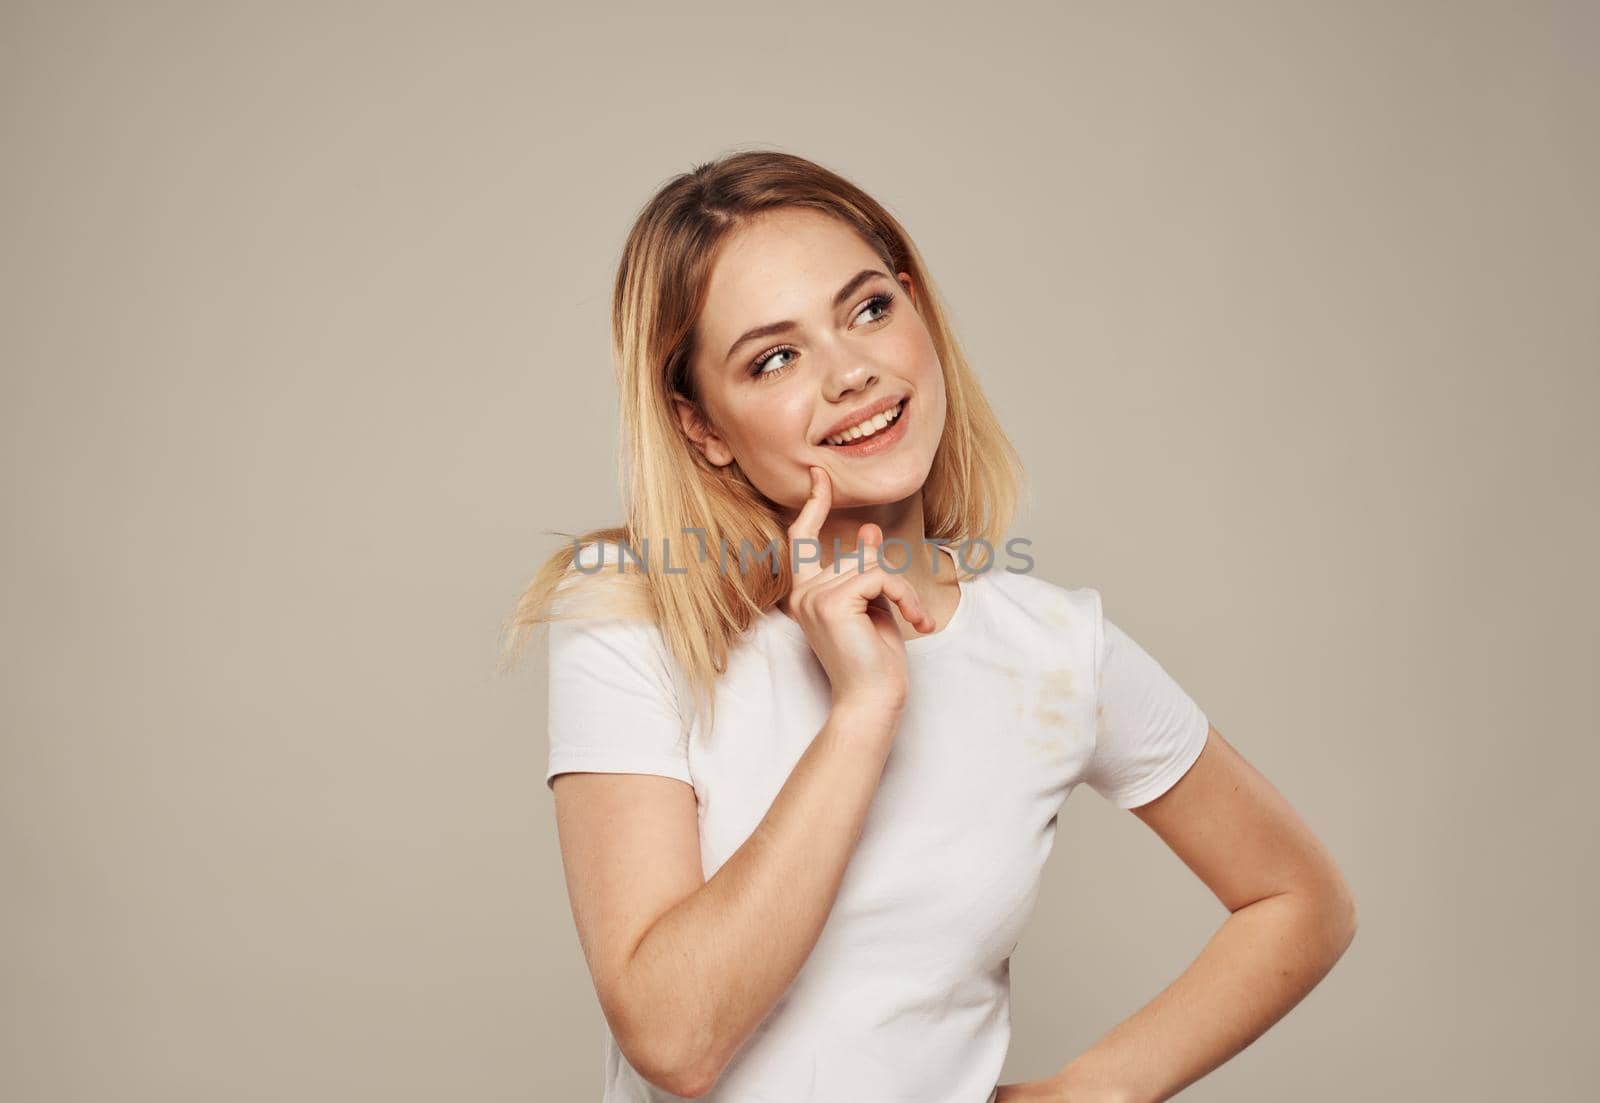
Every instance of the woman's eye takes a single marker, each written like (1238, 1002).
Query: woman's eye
(880, 303)
(759, 365)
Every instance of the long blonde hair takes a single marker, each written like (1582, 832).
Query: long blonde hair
(670, 490)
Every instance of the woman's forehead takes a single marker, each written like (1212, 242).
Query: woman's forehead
(789, 274)
(785, 248)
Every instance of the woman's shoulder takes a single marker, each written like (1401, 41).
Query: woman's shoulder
(604, 578)
(1027, 597)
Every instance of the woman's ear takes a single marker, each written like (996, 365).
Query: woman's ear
(699, 430)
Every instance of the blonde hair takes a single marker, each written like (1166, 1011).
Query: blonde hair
(670, 490)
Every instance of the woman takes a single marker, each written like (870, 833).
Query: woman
(808, 735)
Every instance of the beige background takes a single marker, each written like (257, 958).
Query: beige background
(1291, 309)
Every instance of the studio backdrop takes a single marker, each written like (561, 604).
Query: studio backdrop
(1290, 310)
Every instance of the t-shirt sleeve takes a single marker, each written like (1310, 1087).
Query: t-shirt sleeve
(613, 703)
(1148, 731)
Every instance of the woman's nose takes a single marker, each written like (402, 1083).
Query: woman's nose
(856, 377)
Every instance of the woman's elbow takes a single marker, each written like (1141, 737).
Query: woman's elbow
(675, 1072)
(666, 1050)
(1335, 911)
(1349, 917)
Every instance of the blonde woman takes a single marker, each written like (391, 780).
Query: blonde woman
(812, 718)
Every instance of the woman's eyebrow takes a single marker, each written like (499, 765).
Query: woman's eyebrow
(845, 292)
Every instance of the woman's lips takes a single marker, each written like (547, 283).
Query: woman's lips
(880, 441)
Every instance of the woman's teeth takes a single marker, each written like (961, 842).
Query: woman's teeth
(868, 427)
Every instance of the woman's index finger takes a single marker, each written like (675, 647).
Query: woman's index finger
(809, 523)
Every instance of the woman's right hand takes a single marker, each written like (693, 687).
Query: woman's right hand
(846, 616)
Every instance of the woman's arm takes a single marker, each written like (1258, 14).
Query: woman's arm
(1292, 918)
(686, 968)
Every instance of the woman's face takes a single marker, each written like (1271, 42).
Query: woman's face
(803, 328)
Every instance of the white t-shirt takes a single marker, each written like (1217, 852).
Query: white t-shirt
(1026, 692)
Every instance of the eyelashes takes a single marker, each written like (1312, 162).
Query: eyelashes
(883, 302)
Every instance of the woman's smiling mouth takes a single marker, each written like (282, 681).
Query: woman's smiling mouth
(873, 435)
